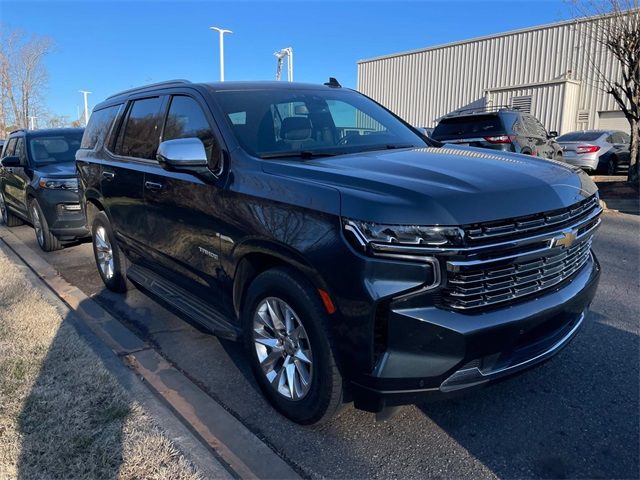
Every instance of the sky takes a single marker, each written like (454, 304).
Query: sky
(105, 47)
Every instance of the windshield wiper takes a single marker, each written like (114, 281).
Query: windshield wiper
(304, 154)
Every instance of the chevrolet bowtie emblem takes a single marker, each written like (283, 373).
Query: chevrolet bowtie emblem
(565, 239)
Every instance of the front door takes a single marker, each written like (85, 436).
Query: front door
(17, 179)
(183, 210)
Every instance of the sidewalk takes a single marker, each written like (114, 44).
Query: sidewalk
(617, 194)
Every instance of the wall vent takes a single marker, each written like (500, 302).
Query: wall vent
(582, 119)
(583, 115)
(521, 103)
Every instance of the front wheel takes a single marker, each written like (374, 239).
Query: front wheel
(289, 345)
(48, 241)
(111, 262)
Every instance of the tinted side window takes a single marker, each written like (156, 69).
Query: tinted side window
(620, 138)
(9, 148)
(20, 152)
(187, 120)
(142, 129)
(99, 126)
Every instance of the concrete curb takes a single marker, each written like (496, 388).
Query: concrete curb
(213, 439)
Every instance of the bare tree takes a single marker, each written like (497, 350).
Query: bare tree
(56, 121)
(618, 33)
(23, 76)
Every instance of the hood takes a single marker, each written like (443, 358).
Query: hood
(62, 169)
(442, 186)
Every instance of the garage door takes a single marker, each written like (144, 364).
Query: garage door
(613, 121)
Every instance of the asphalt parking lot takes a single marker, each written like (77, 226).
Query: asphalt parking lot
(575, 416)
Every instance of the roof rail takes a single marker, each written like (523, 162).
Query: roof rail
(18, 130)
(168, 83)
(485, 109)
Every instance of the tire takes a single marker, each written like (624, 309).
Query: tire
(110, 260)
(47, 241)
(612, 166)
(8, 218)
(324, 392)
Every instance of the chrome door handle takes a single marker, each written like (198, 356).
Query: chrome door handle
(153, 186)
(108, 175)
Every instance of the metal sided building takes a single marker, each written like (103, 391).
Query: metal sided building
(544, 70)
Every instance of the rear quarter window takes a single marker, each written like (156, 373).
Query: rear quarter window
(99, 127)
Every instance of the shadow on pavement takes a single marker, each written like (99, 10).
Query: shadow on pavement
(574, 417)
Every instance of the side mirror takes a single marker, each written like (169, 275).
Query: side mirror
(181, 154)
(11, 161)
(553, 134)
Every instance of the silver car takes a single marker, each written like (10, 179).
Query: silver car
(596, 151)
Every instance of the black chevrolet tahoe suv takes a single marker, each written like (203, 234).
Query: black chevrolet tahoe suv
(503, 129)
(355, 260)
(38, 185)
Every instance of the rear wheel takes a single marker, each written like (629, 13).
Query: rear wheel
(48, 241)
(8, 218)
(111, 262)
(289, 345)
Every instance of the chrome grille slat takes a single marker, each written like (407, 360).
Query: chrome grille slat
(481, 294)
(535, 222)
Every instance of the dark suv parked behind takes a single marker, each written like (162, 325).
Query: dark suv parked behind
(355, 260)
(504, 129)
(38, 184)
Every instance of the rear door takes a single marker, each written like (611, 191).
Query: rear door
(122, 177)
(184, 210)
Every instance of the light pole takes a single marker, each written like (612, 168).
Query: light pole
(85, 94)
(32, 122)
(221, 32)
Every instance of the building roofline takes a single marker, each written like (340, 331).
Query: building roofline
(489, 36)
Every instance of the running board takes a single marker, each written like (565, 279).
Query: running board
(184, 302)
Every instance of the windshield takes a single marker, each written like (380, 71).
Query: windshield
(56, 148)
(579, 136)
(274, 123)
(468, 126)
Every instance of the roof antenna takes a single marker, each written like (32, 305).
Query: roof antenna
(333, 83)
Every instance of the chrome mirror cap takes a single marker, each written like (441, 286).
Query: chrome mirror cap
(182, 152)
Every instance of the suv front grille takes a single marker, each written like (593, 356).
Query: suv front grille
(516, 265)
(488, 286)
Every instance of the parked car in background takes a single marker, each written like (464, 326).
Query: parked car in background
(597, 151)
(504, 129)
(38, 184)
(357, 260)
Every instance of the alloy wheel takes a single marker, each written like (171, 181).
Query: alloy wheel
(37, 224)
(104, 252)
(283, 348)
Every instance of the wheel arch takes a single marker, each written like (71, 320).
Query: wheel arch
(254, 258)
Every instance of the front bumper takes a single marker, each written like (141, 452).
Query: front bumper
(65, 218)
(432, 351)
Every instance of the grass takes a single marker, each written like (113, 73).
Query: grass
(62, 414)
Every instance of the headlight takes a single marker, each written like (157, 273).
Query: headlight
(387, 240)
(59, 183)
